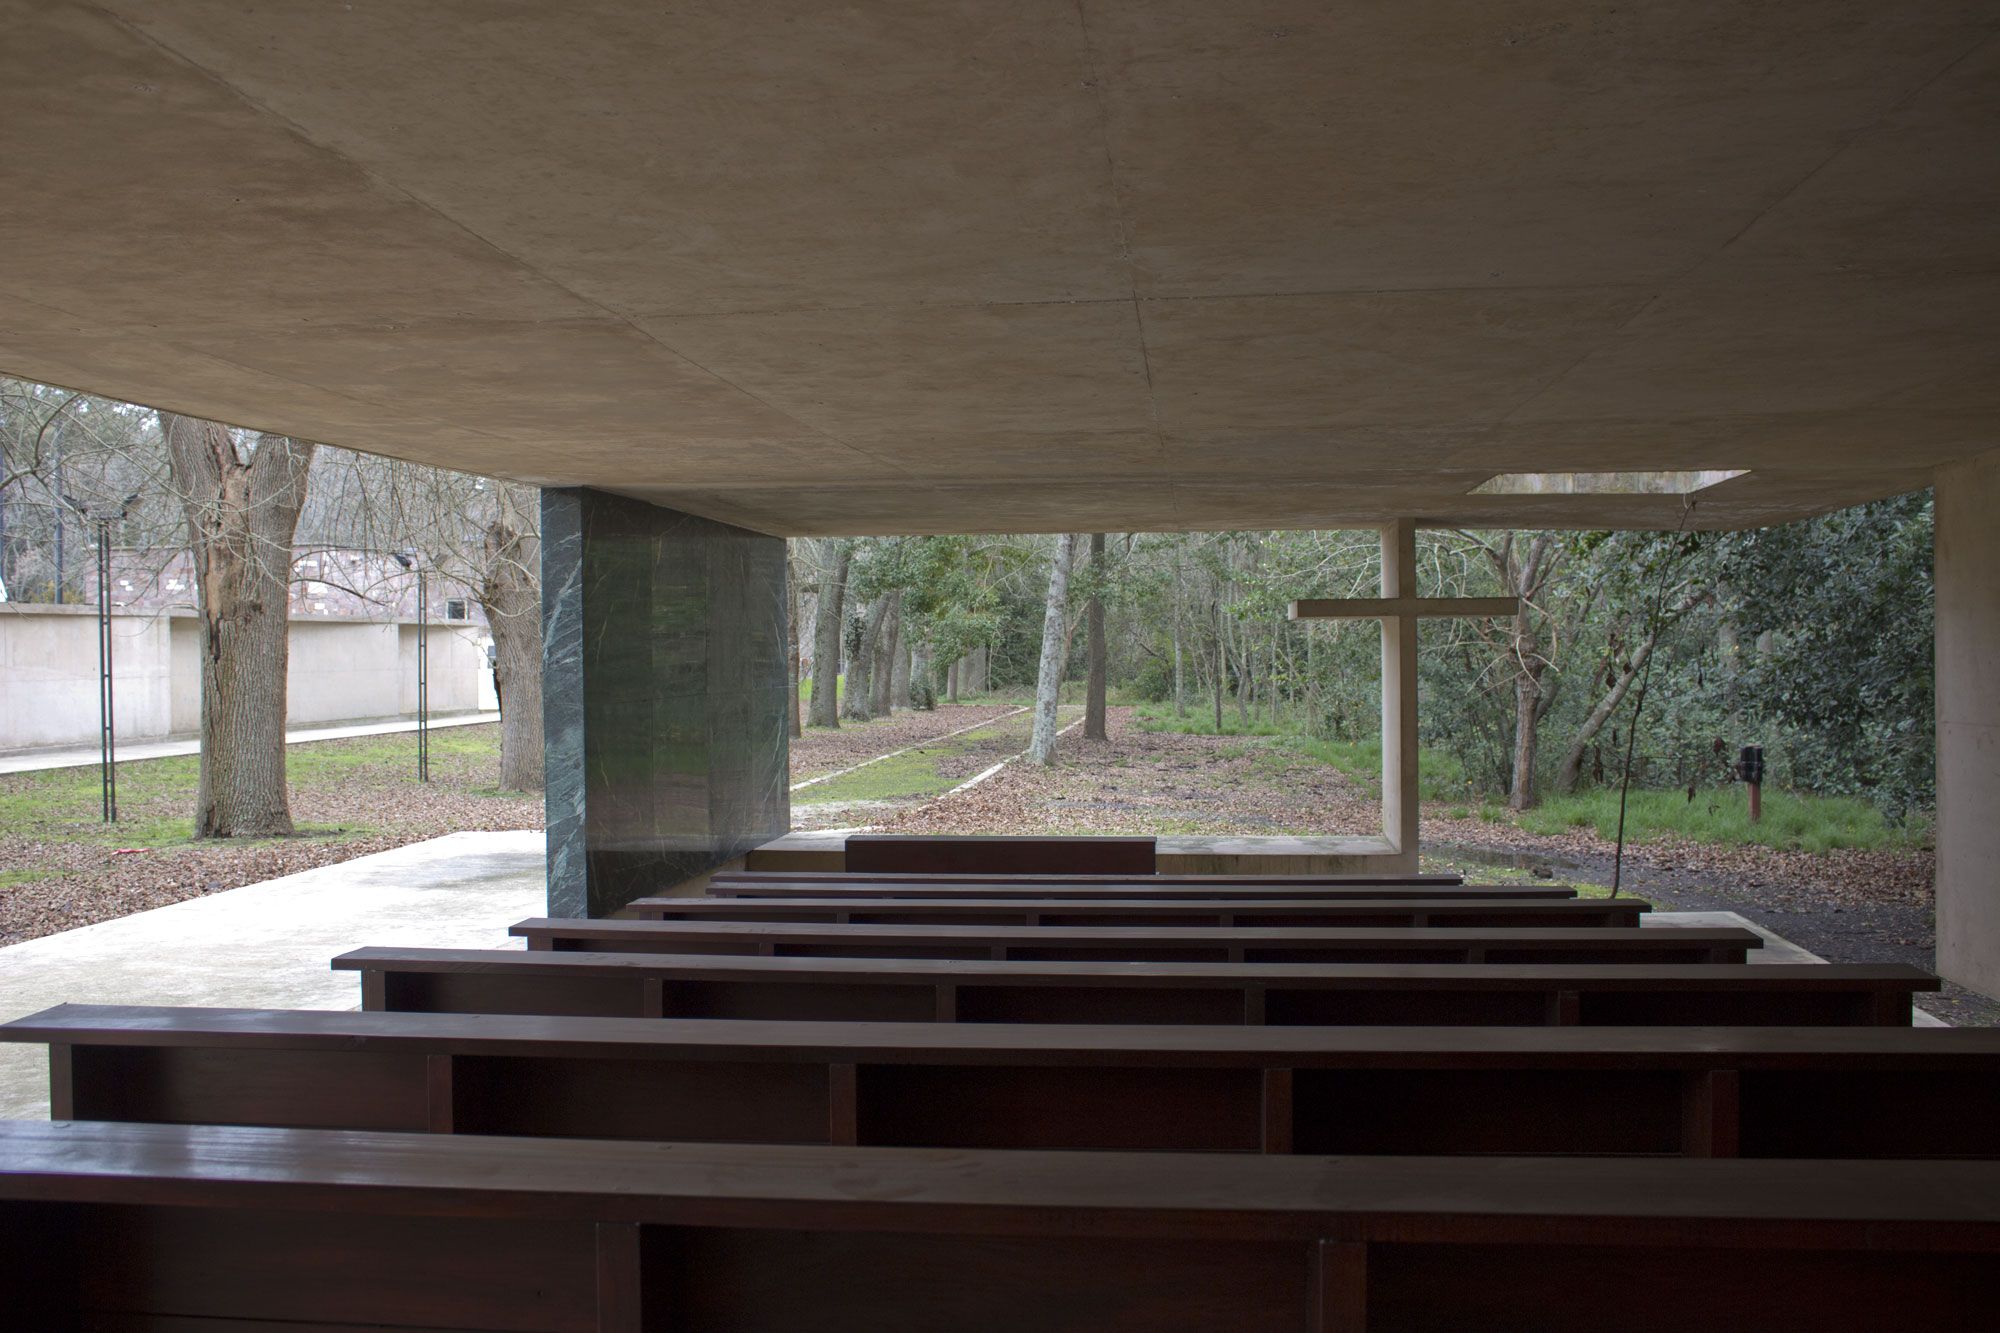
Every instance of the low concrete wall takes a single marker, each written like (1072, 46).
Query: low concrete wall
(339, 671)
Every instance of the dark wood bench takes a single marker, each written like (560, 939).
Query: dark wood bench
(1060, 892)
(1477, 911)
(904, 853)
(174, 1229)
(842, 877)
(1018, 912)
(1754, 1092)
(922, 989)
(1290, 944)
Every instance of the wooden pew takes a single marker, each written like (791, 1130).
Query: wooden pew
(844, 877)
(921, 853)
(1487, 911)
(1095, 892)
(1291, 944)
(175, 1229)
(1012, 911)
(1707, 1092)
(625, 985)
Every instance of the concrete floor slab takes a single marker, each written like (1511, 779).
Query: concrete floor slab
(268, 945)
(34, 761)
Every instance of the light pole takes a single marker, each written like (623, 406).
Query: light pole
(408, 560)
(107, 724)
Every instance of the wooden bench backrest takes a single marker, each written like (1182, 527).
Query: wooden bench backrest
(1813, 1092)
(920, 990)
(111, 1224)
(1289, 944)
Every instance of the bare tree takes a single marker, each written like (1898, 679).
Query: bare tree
(888, 638)
(1524, 564)
(826, 646)
(1093, 705)
(509, 589)
(1055, 643)
(793, 723)
(242, 510)
(858, 704)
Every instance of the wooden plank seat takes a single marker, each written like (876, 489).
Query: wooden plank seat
(929, 853)
(188, 1229)
(1020, 912)
(1479, 911)
(848, 877)
(1754, 1092)
(1059, 892)
(1285, 994)
(1432, 944)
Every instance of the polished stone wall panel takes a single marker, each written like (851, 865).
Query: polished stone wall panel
(664, 696)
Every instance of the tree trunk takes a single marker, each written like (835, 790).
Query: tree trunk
(1093, 700)
(241, 516)
(1218, 668)
(826, 642)
(951, 683)
(1527, 714)
(1571, 771)
(1180, 690)
(858, 705)
(793, 723)
(510, 593)
(1048, 679)
(899, 676)
(923, 679)
(886, 644)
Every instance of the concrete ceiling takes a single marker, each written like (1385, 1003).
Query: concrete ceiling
(1120, 264)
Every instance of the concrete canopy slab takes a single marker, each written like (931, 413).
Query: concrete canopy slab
(896, 267)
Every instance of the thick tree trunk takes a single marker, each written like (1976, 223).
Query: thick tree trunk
(858, 704)
(241, 516)
(510, 592)
(886, 644)
(1048, 679)
(951, 682)
(899, 676)
(794, 724)
(1571, 771)
(1093, 701)
(923, 679)
(826, 642)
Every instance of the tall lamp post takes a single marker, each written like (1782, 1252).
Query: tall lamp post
(408, 560)
(103, 516)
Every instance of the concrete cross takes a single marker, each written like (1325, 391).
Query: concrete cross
(1399, 608)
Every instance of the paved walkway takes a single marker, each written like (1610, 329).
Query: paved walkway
(268, 945)
(33, 761)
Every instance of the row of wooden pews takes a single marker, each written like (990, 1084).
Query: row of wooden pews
(1111, 1112)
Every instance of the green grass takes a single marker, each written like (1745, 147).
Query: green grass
(912, 774)
(156, 796)
(1790, 822)
(9, 878)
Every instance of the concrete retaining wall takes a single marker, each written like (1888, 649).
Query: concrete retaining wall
(339, 671)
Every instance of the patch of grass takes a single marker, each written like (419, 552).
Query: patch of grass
(1198, 722)
(1791, 821)
(10, 878)
(912, 774)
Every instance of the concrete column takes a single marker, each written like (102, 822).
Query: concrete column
(1968, 723)
(1399, 695)
(664, 697)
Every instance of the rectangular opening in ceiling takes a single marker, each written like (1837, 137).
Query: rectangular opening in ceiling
(1605, 483)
